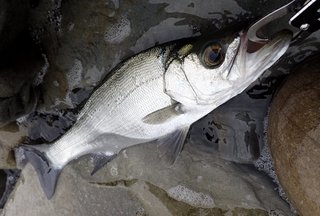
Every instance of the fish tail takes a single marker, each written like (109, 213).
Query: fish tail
(48, 175)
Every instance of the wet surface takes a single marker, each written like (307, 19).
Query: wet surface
(80, 55)
(8, 181)
(139, 181)
(75, 44)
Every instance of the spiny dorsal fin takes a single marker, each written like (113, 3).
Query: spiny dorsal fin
(162, 115)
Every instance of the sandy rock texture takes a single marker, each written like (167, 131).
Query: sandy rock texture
(294, 137)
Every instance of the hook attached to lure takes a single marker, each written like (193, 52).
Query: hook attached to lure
(306, 19)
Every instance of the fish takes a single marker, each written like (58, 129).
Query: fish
(154, 97)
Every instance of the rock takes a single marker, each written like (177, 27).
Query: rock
(80, 41)
(13, 21)
(8, 181)
(10, 136)
(20, 66)
(3, 178)
(81, 47)
(198, 181)
(12, 108)
(19, 71)
(73, 197)
(294, 137)
(21, 63)
(138, 182)
(234, 130)
(18, 97)
(84, 43)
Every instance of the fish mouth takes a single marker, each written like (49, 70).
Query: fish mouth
(253, 47)
(257, 58)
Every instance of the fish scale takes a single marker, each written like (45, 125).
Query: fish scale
(98, 115)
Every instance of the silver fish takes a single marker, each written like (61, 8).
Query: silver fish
(154, 97)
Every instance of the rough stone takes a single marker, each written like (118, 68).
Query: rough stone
(78, 40)
(3, 179)
(85, 43)
(73, 197)
(13, 21)
(294, 137)
(10, 136)
(197, 179)
(138, 182)
(233, 130)
(20, 62)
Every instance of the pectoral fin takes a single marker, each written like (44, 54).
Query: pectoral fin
(162, 115)
(171, 145)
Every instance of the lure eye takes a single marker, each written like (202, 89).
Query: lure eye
(212, 55)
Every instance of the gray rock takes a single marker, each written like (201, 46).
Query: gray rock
(73, 197)
(83, 41)
(198, 179)
(138, 182)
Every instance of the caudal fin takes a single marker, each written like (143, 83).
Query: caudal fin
(47, 174)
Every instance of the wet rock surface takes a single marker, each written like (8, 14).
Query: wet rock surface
(8, 182)
(138, 182)
(294, 137)
(75, 197)
(13, 21)
(10, 136)
(84, 40)
(197, 178)
(21, 61)
(78, 39)
(78, 43)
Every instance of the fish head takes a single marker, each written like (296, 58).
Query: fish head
(211, 73)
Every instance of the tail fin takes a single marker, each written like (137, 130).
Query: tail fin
(47, 174)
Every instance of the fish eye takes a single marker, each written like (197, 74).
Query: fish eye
(212, 55)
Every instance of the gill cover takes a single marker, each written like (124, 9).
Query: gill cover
(191, 83)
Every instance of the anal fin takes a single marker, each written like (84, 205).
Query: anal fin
(99, 160)
(171, 144)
